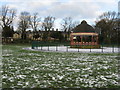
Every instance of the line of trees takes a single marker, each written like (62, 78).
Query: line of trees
(107, 25)
(27, 21)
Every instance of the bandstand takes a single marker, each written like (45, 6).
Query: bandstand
(84, 36)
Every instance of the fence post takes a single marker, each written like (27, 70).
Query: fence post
(102, 47)
(33, 45)
(90, 48)
(67, 49)
(56, 48)
(48, 47)
(78, 49)
(113, 49)
(36, 44)
(41, 47)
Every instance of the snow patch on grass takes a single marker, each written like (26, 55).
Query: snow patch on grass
(23, 69)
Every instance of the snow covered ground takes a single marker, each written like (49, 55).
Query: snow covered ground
(68, 49)
(37, 69)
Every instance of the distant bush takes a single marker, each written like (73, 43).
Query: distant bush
(22, 41)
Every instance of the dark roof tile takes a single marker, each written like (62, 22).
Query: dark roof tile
(83, 27)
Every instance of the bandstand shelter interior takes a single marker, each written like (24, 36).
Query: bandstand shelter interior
(84, 38)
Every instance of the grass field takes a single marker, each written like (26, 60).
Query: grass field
(36, 69)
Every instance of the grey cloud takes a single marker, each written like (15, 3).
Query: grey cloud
(75, 9)
(86, 9)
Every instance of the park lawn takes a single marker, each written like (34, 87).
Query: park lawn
(36, 69)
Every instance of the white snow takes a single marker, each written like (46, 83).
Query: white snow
(46, 69)
(68, 49)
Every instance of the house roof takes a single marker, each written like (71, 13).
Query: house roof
(83, 27)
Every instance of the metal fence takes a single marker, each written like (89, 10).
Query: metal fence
(65, 47)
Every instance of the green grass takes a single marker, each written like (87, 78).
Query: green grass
(27, 69)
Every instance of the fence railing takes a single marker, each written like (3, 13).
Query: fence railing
(65, 47)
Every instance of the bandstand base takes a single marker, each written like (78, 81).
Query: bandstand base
(86, 46)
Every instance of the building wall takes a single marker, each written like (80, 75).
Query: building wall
(30, 36)
(16, 36)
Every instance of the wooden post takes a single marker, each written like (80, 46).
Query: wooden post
(92, 39)
(90, 48)
(81, 40)
(97, 40)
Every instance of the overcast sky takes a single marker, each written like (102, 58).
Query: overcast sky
(79, 10)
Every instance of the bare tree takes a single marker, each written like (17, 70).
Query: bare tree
(7, 15)
(66, 24)
(34, 21)
(74, 24)
(109, 16)
(48, 23)
(24, 23)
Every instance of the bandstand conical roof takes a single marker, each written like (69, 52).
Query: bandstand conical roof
(83, 27)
